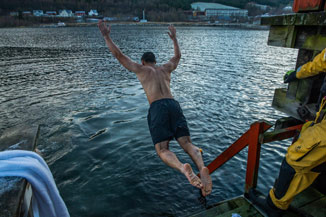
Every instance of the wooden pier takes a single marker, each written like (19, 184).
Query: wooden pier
(309, 203)
(305, 31)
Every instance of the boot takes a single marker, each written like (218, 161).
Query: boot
(264, 203)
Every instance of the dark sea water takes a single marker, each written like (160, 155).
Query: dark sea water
(92, 112)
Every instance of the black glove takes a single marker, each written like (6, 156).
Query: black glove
(290, 76)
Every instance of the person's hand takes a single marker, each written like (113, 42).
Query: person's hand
(105, 30)
(173, 32)
(291, 75)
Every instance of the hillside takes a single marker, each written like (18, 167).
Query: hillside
(167, 10)
(122, 5)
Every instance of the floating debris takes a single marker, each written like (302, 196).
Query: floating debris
(98, 133)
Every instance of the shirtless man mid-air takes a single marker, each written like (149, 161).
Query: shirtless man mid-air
(165, 117)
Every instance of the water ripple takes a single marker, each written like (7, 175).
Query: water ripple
(92, 111)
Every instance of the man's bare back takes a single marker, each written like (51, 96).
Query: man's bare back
(165, 116)
(156, 82)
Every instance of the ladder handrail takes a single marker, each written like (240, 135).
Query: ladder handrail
(253, 138)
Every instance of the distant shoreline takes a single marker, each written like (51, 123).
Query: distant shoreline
(229, 25)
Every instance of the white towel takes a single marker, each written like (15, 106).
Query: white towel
(46, 200)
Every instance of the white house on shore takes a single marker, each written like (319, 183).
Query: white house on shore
(287, 9)
(93, 13)
(14, 14)
(65, 13)
(219, 11)
(38, 13)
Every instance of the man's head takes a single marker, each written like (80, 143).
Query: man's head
(148, 57)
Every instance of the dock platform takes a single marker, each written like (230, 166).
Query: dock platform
(308, 203)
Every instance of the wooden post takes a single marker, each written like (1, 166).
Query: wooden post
(253, 156)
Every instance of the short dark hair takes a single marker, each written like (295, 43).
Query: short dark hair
(149, 57)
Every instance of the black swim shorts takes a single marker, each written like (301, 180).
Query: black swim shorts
(166, 120)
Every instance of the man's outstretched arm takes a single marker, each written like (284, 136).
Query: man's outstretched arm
(123, 59)
(174, 61)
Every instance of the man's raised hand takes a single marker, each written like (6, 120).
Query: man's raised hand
(172, 33)
(103, 28)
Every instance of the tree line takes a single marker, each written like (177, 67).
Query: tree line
(160, 10)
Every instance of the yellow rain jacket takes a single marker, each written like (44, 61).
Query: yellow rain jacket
(315, 67)
(308, 152)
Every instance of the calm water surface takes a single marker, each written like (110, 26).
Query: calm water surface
(92, 112)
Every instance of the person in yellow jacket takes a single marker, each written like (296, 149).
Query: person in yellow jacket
(305, 159)
(315, 67)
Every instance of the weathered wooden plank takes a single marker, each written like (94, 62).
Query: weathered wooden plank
(301, 19)
(305, 202)
(223, 207)
(12, 189)
(301, 92)
(282, 36)
(281, 134)
(212, 212)
(279, 20)
(314, 42)
(302, 37)
(306, 31)
(316, 208)
(286, 122)
(310, 38)
(307, 196)
(284, 104)
(311, 19)
(218, 208)
(292, 90)
(301, 205)
(247, 210)
(228, 205)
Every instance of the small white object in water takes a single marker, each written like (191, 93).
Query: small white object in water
(235, 215)
(61, 24)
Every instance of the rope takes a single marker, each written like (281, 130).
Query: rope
(323, 103)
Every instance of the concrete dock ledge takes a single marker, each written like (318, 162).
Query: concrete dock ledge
(13, 194)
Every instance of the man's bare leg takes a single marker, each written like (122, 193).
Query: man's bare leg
(170, 159)
(194, 153)
(206, 181)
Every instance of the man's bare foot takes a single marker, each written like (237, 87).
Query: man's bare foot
(206, 182)
(191, 176)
